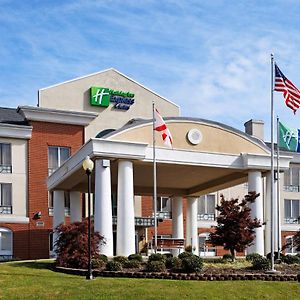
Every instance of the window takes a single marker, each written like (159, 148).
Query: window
(5, 198)
(56, 157)
(290, 248)
(5, 243)
(291, 211)
(164, 207)
(205, 247)
(206, 207)
(5, 158)
(66, 203)
(291, 180)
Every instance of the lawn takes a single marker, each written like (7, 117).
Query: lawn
(33, 280)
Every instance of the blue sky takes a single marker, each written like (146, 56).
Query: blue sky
(210, 57)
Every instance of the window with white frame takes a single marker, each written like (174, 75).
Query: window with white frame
(164, 209)
(205, 246)
(5, 198)
(66, 203)
(291, 180)
(5, 158)
(5, 243)
(206, 207)
(290, 247)
(291, 211)
(56, 157)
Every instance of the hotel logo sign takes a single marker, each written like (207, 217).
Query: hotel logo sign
(101, 96)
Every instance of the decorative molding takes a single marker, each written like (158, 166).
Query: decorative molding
(15, 131)
(56, 116)
(13, 219)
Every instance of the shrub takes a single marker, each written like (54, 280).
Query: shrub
(132, 264)
(291, 259)
(167, 255)
(173, 263)
(261, 263)
(113, 266)
(185, 254)
(157, 257)
(121, 259)
(72, 245)
(103, 257)
(192, 264)
(135, 257)
(98, 263)
(188, 248)
(227, 257)
(252, 256)
(156, 266)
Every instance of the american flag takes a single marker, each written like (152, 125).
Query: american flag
(290, 93)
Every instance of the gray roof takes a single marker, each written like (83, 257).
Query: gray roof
(11, 116)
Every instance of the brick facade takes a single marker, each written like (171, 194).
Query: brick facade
(35, 237)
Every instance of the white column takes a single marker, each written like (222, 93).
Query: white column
(103, 210)
(75, 207)
(125, 213)
(268, 214)
(58, 212)
(192, 224)
(255, 185)
(177, 221)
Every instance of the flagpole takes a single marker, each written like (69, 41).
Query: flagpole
(154, 183)
(278, 195)
(272, 163)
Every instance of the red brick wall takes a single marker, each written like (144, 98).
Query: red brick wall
(44, 135)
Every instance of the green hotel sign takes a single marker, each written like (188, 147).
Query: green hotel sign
(101, 96)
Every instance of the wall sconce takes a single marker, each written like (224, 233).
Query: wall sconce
(37, 215)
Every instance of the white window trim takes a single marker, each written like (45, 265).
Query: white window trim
(6, 253)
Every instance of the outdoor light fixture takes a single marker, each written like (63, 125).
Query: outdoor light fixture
(88, 166)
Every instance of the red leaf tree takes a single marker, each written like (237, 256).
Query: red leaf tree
(235, 228)
(72, 245)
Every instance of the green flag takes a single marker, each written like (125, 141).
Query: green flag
(288, 138)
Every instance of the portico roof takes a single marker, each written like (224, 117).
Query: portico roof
(222, 158)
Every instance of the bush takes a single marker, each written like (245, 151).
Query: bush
(188, 248)
(252, 256)
(132, 264)
(157, 257)
(156, 266)
(135, 257)
(192, 264)
(103, 257)
(113, 266)
(98, 263)
(121, 259)
(167, 255)
(261, 263)
(291, 259)
(185, 254)
(173, 263)
(227, 257)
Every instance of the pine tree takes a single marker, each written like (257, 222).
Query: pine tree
(235, 228)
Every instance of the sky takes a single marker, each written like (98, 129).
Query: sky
(210, 57)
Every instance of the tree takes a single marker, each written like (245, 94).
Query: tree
(235, 228)
(72, 245)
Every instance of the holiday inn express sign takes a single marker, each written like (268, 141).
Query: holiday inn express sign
(101, 96)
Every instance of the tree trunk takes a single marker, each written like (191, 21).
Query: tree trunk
(232, 252)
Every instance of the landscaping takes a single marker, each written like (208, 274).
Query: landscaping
(36, 280)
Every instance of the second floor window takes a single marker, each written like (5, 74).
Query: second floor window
(56, 157)
(5, 198)
(206, 207)
(291, 211)
(66, 203)
(164, 208)
(291, 179)
(5, 158)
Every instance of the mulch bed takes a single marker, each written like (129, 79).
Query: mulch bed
(287, 273)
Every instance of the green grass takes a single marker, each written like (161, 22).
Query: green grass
(33, 280)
